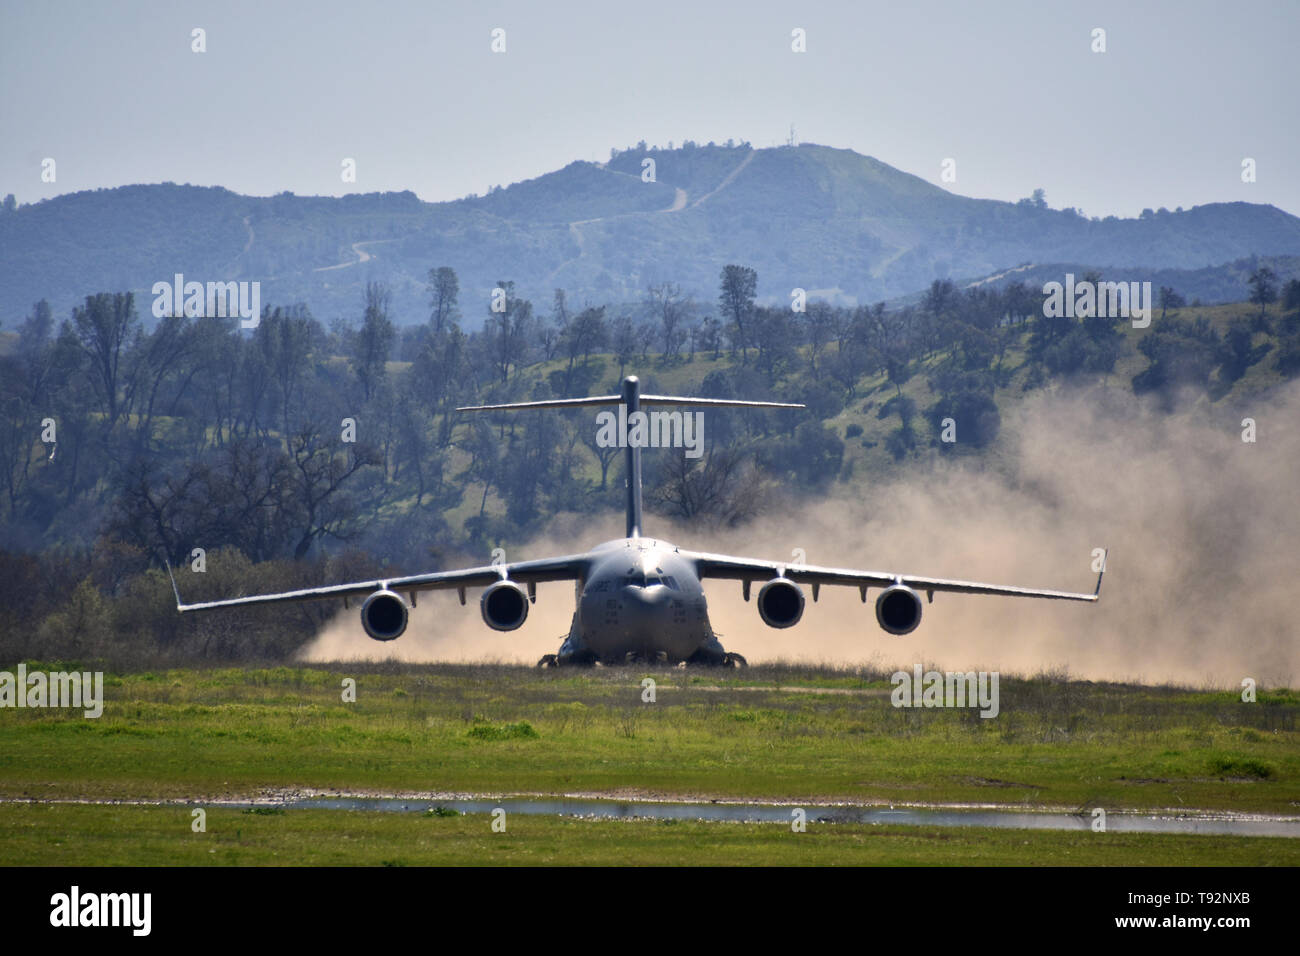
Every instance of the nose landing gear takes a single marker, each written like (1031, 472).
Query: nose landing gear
(632, 658)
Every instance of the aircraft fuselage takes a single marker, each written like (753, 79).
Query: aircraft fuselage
(640, 600)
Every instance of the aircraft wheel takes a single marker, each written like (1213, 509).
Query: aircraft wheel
(548, 660)
(735, 660)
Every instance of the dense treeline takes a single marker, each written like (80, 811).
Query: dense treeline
(294, 453)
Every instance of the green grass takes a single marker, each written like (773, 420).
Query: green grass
(198, 734)
(504, 729)
(76, 835)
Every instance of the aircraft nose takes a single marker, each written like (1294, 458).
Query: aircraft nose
(656, 595)
(647, 607)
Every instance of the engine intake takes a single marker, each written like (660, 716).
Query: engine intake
(780, 603)
(898, 609)
(504, 606)
(384, 615)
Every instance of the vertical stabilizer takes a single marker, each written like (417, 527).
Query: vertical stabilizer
(632, 399)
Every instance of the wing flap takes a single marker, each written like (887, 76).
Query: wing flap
(567, 568)
(753, 569)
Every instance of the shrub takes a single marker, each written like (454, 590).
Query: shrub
(522, 730)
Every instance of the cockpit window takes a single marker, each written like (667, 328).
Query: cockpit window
(639, 579)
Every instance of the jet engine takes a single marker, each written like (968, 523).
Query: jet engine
(898, 609)
(383, 615)
(780, 603)
(504, 606)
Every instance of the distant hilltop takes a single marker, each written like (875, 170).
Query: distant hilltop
(840, 225)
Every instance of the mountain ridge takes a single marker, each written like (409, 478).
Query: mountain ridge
(835, 222)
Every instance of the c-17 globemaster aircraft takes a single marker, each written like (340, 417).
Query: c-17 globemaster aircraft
(638, 599)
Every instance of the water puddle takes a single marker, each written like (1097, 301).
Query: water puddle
(1116, 822)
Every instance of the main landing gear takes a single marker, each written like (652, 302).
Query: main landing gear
(729, 659)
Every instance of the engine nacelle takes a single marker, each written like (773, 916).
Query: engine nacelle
(384, 615)
(898, 609)
(780, 603)
(504, 606)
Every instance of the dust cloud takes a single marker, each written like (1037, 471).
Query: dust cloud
(439, 629)
(1202, 528)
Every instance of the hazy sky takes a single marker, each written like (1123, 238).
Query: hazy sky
(412, 91)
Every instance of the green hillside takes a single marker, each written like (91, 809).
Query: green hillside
(848, 226)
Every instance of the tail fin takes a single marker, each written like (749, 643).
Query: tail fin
(633, 399)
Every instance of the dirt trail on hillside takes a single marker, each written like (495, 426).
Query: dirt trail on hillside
(727, 180)
(361, 255)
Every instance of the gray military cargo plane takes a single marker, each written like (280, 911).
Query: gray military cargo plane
(638, 598)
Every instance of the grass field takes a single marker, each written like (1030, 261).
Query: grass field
(772, 732)
(70, 835)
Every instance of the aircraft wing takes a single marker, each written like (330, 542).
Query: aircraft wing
(565, 568)
(751, 569)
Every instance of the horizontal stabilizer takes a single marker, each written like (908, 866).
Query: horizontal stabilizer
(618, 399)
(633, 400)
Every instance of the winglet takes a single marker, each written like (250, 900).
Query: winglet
(1096, 594)
(175, 589)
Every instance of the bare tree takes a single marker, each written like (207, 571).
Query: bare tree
(722, 489)
(507, 331)
(444, 291)
(624, 342)
(736, 300)
(103, 329)
(374, 340)
(322, 472)
(1263, 288)
(668, 307)
(819, 320)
